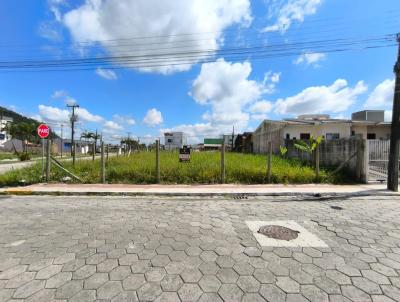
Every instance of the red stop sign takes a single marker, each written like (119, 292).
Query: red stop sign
(43, 131)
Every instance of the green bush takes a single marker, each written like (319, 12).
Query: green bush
(24, 156)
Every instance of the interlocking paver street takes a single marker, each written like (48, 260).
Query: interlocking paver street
(196, 249)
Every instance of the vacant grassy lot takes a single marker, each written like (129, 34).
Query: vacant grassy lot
(7, 155)
(204, 168)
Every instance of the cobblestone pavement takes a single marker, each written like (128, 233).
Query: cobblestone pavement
(195, 249)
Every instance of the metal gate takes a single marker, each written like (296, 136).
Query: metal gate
(378, 160)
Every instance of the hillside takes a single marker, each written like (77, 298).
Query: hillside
(18, 118)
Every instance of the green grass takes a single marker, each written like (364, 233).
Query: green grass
(7, 155)
(204, 168)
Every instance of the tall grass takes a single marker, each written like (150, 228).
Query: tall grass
(204, 168)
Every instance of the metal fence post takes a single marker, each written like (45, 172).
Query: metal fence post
(158, 161)
(269, 161)
(48, 163)
(103, 164)
(317, 161)
(223, 161)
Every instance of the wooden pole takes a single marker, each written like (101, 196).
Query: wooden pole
(223, 161)
(158, 161)
(317, 161)
(103, 164)
(48, 163)
(269, 161)
(107, 151)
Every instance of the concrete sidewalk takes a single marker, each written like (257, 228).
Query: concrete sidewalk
(199, 190)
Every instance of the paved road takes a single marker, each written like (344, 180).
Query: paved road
(181, 249)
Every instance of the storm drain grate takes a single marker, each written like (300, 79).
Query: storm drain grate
(336, 208)
(240, 196)
(278, 232)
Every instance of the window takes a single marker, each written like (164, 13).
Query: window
(371, 136)
(287, 135)
(353, 133)
(170, 140)
(304, 135)
(331, 136)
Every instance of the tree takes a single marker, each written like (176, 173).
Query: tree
(130, 143)
(25, 131)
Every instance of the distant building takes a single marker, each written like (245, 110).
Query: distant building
(212, 143)
(4, 136)
(244, 143)
(174, 140)
(229, 140)
(367, 124)
(65, 145)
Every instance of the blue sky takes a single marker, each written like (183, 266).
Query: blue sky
(201, 98)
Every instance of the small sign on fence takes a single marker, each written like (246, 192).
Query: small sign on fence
(184, 154)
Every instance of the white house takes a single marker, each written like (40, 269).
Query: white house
(367, 124)
(174, 140)
(4, 136)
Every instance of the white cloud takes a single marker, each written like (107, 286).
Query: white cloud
(70, 101)
(271, 79)
(107, 74)
(153, 118)
(310, 58)
(335, 98)
(261, 107)
(382, 95)
(50, 31)
(197, 132)
(53, 114)
(86, 116)
(111, 126)
(124, 119)
(59, 115)
(166, 22)
(226, 88)
(59, 94)
(290, 11)
(259, 117)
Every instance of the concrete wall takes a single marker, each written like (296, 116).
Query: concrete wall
(318, 130)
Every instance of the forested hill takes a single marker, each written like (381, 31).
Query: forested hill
(18, 118)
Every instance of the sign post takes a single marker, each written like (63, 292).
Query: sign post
(184, 154)
(43, 131)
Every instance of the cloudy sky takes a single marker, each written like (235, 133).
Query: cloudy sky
(201, 66)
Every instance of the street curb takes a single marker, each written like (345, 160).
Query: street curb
(316, 195)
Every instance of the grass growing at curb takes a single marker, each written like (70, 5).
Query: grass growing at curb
(204, 168)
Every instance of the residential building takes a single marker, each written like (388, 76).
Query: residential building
(174, 140)
(4, 136)
(367, 124)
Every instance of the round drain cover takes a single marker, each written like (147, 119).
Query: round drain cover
(278, 232)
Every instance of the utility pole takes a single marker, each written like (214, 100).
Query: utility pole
(73, 120)
(393, 173)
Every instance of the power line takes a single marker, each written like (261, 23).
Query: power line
(191, 57)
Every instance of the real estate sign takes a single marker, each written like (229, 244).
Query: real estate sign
(184, 154)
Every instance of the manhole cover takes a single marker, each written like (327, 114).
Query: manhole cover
(278, 232)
